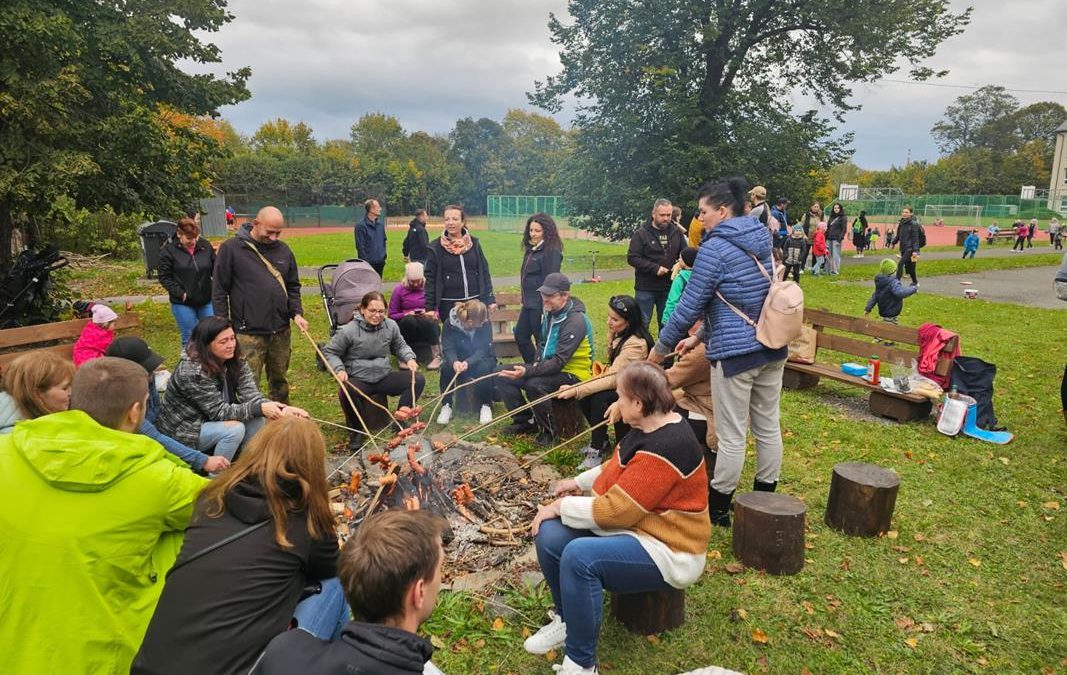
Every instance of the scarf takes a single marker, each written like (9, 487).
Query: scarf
(457, 246)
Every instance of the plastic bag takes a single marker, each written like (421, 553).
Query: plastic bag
(921, 385)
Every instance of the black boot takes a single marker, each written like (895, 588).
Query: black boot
(760, 486)
(355, 441)
(709, 461)
(719, 507)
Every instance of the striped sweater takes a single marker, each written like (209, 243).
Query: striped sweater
(654, 488)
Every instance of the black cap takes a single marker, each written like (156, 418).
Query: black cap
(689, 256)
(137, 350)
(557, 282)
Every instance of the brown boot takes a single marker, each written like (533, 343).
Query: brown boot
(436, 362)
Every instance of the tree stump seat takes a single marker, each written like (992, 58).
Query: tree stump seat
(862, 499)
(768, 532)
(649, 613)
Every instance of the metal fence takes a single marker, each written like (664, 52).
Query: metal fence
(308, 216)
(508, 213)
(998, 208)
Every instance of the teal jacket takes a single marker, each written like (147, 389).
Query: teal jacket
(677, 286)
(92, 519)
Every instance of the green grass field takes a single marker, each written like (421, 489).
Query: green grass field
(970, 580)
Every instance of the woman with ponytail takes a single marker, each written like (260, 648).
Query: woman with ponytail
(746, 377)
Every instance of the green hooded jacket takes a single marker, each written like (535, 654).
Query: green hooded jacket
(92, 518)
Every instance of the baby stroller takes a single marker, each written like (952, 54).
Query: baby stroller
(25, 295)
(342, 287)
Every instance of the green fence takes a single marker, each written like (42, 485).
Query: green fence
(508, 213)
(955, 209)
(309, 216)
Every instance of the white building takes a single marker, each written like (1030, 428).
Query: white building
(1057, 189)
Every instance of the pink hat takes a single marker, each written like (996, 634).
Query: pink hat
(103, 314)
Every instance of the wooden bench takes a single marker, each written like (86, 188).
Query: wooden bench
(58, 337)
(508, 306)
(1008, 235)
(901, 407)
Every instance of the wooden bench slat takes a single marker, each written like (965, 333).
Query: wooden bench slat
(25, 337)
(855, 324)
(65, 350)
(865, 350)
(836, 374)
(508, 299)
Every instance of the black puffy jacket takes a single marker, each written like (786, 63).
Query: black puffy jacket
(187, 275)
(537, 263)
(244, 291)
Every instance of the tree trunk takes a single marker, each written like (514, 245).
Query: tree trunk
(769, 532)
(862, 498)
(649, 613)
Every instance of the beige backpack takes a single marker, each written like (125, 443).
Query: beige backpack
(782, 318)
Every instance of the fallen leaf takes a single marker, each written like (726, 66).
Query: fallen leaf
(904, 622)
(759, 637)
(892, 534)
(918, 536)
(550, 655)
(804, 670)
(808, 545)
(437, 642)
(912, 642)
(832, 634)
(903, 560)
(498, 623)
(714, 555)
(982, 661)
(526, 632)
(919, 560)
(810, 608)
(1004, 460)
(813, 633)
(901, 549)
(1054, 505)
(928, 503)
(845, 564)
(479, 643)
(653, 639)
(738, 615)
(927, 627)
(764, 663)
(1021, 504)
(975, 561)
(1063, 559)
(734, 568)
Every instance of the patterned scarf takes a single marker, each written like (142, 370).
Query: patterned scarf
(459, 245)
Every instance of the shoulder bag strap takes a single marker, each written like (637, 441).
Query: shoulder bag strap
(270, 267)
(217, 545)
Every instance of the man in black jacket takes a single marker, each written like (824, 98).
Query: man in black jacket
(911, 238)
(416, 246)
(391, 573)
(654, 249)
(257, 287)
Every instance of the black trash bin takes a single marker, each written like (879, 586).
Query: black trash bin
(961, 234)
(153, 235)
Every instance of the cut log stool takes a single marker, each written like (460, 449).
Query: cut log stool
(769, 532)
(649, 613)
(862, 498)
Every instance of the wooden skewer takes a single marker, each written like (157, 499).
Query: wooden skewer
(538, 456)
(344, 390)
(445, 391)
(414, 399)
(452, 390)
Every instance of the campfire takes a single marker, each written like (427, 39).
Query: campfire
(484, 492)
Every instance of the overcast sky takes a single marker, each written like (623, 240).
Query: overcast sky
(429, 63)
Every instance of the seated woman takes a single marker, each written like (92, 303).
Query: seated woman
(219, 610)
(628, 342)
(35, 384)
(407, 306)
(212, 402)
(359, 355)
(653, 486)
(468, 350)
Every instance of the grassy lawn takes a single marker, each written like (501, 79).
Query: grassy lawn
(971, 578)
(503, 249)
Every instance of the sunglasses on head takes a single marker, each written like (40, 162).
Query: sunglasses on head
(616, 303)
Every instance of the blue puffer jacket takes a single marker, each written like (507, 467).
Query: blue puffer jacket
(723, 264)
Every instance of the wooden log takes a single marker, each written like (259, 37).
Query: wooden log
(794, 379)
(567, 418)
(768, 532)
(649, 613)
(862, 498)
(902, 410)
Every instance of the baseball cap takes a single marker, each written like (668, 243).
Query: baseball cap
(135, 349)
(557, 282)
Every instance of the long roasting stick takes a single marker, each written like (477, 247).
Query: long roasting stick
(539, 455)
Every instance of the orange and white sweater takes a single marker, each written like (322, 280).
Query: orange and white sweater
(654, 488)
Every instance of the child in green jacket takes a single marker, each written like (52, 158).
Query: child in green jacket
(681, 278)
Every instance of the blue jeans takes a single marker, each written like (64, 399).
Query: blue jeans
(187, 317)
(835, 257)
(228, 437)
(647, 300)
(323, 614)
(578, 565)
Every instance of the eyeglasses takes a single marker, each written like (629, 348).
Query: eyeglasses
(616, 303)
(368, 310)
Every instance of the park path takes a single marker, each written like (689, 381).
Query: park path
(1031, 286)
(311, 289)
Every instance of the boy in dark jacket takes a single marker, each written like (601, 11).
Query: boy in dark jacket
(888, 293)
(416, 246)
(391, 572)
(794, 252)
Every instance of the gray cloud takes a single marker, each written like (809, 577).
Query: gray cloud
(327, 62)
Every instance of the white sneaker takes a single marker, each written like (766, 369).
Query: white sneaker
(592, 457)
(569, 667)
(551, 636)
(485, 415)
(445, 416)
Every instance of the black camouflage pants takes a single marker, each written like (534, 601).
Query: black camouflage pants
(272, 351)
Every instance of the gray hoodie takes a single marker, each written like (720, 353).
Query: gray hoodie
(363, 350)
(9, 413)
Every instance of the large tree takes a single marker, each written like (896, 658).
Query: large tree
(664, 87)
(94, 106)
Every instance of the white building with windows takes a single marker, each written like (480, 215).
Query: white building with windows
(1057, 189)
